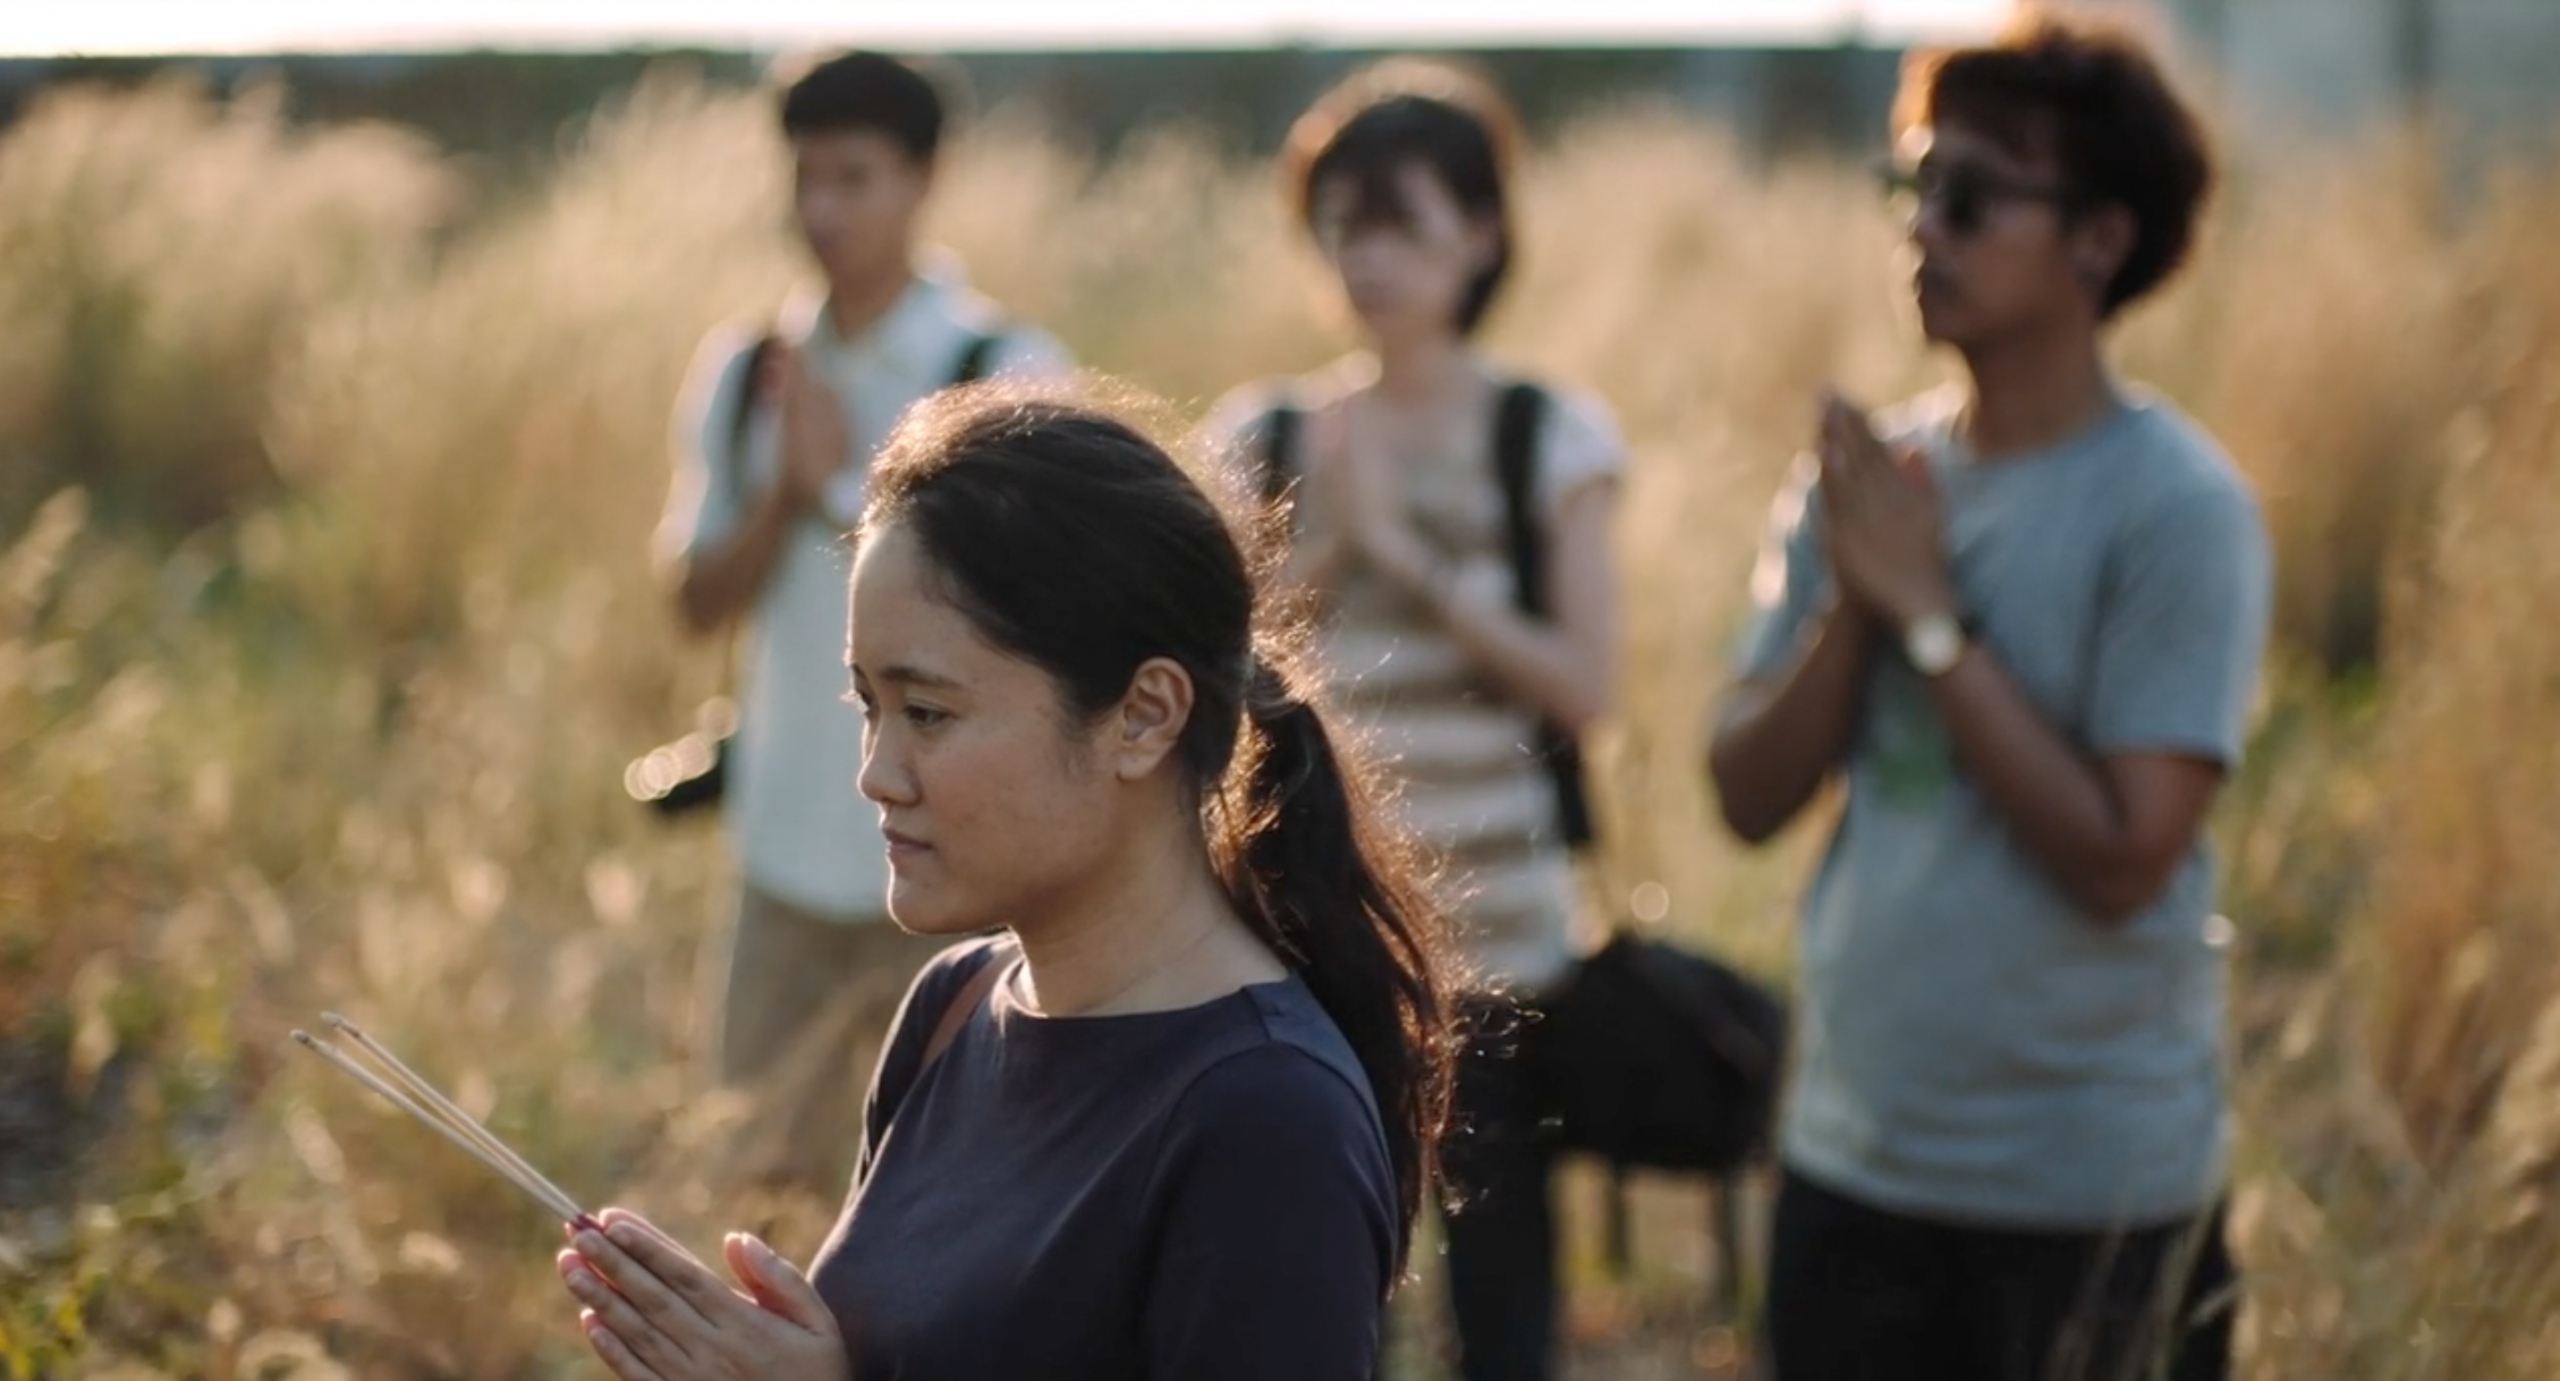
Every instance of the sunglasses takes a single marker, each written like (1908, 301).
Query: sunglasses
(1963, 194)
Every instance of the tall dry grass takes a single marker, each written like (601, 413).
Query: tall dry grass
(325, 628)
(157, 255)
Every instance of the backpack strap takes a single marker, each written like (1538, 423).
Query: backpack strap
(1280, 428)
(742, 414)
(1515, 465)
(1520, 413)
(1517, 420)
(977, 358)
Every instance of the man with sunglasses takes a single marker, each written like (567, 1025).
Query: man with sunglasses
(2022, 619)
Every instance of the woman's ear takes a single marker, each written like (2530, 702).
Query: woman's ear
(1147, 727)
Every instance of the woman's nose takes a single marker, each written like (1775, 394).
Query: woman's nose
(883, 778)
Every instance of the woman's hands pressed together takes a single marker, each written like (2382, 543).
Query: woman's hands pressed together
(1355, 482)
(655, 1312)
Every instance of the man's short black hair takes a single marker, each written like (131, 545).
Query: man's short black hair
(866, 91)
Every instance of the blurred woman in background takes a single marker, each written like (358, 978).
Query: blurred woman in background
(1450, 523)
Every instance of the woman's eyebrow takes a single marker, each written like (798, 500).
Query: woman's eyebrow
(902, 674)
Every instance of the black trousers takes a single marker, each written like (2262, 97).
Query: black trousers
(1502, 1238)
(1860, 1294)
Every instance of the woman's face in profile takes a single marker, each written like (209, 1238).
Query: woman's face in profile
(995, 805)
(1405, 254)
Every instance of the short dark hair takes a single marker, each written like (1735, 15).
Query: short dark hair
(1398, 114)
(2088, 90)
(861, 90)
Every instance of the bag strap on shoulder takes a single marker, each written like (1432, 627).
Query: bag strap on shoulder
(742, 413)
(956, 1015)
(1519, 417)
(977, 358)
(1516, 421)
(882, 1115)
(1279, 453)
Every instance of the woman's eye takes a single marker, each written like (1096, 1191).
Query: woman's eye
(925, 716)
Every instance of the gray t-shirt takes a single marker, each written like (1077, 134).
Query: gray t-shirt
(1975, 1047)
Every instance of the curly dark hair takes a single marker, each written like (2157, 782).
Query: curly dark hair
(2088, 91)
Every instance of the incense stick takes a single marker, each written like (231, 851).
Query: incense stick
(454, 1114)
(449, 1121)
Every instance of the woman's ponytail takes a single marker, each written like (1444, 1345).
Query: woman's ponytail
(1350, 904)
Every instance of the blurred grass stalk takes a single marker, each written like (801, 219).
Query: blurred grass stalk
(325, 626)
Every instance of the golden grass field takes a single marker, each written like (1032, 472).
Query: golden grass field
(326, 469)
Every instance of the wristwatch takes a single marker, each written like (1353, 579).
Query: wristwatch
(1934, 643)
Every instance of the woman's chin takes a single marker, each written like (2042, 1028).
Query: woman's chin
(919, 914)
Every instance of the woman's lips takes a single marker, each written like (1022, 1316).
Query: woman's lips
(901, 843)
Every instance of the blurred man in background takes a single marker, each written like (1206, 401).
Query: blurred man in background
(2023, 618)
(775, 431)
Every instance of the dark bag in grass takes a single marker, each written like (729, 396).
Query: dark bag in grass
(689, 773)
(1650, 1057)
(1653, 1057)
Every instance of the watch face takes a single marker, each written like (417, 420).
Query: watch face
(1934, 644)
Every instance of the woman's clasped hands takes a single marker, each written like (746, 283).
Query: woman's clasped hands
(655, 1312)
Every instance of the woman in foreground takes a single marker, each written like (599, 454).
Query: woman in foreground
(1177, 1119)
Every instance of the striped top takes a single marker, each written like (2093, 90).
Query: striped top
(1458, 747)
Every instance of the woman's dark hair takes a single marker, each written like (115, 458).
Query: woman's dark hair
(2087, 91)
(866, 91)
(1406, 113)
(1071, 541)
